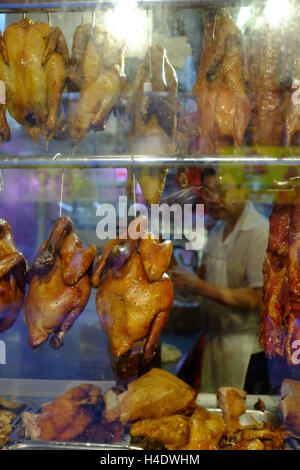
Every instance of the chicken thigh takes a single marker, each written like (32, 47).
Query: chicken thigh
(135, 298)
(12, 278)
(59, 285)
(97, 72)
(33, 59)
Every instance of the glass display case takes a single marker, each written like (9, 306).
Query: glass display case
(149, 231)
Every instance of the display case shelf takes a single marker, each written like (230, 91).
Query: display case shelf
(118, 161)
(80, 5)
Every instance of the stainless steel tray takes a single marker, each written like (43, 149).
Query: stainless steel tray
(18, 441)
(45, 445)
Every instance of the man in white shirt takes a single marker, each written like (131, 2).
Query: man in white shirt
(230, 281)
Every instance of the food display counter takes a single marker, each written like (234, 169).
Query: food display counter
(150, 225)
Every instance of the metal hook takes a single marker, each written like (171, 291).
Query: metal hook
(214, 30)
(49, 18)
(149, 44)
(1, 181)
(93, 21)
(23, 16)
(82, 18)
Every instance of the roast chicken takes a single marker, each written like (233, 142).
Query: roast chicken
(59, 285)
(135, 295)
(97, 72)
(263, 81)
(155, 394)
(281, 307)
(12, 278)
(65, 418)
(200, 429)
(223, 106)
(33, 61)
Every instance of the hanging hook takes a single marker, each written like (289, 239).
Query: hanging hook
(93, 21)
(49, 18)
(214, 30)
(23, 16)
(1, 181)
(61, 191)
(82, 18)
(149, 44)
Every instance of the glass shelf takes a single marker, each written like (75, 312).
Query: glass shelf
(118, 161)
(55, 5)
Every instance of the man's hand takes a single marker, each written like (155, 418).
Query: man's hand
(186, 281)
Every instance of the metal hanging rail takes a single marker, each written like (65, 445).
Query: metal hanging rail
(81, 5)
(120, 161)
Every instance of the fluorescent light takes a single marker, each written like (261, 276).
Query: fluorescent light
(278, 11)
(243, 16)
(128, 23)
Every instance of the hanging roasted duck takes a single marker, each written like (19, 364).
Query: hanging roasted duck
(12, 278)
(158, 119)
(263, 81)
(135, 295)
(281, 306)
(223, 106)
(59, 285)
(33, 60)
(97, 72)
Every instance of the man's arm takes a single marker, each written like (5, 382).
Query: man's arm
(245, 298)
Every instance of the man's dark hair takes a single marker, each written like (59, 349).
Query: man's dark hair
(210, 171)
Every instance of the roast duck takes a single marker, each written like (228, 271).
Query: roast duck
(135, 295)
(59, 285)
(12, 278)
(159, 122)
(97, 72)
(281, 306)
(223, 106)
(33, 61)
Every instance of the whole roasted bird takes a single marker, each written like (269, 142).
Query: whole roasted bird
(281, 308)
(135, 295)
(59, 285)
(158, 119)
(33, 60)
(223, 106)
(12, 278)
(97, 72)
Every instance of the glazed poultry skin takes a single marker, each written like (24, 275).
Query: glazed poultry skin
(33, 60)
(223, 106)
(12, 278)
(232, 402)
(155, 394)
(59, 285)
(66, 417)
(97, 72)
(206, 430)
(134, 303)
(157, 118)
(171, 431)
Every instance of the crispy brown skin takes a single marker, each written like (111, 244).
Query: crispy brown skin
(59, 286)
(12, 278)
(134, 303)
(33, 59)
